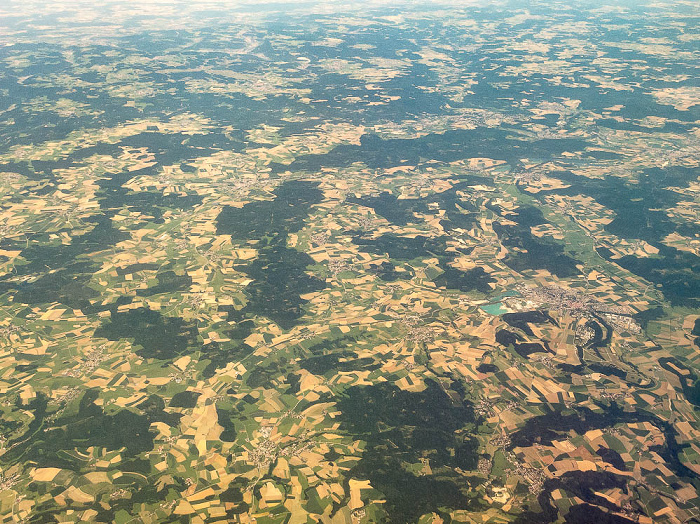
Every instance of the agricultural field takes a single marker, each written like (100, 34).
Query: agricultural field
(349, 263)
